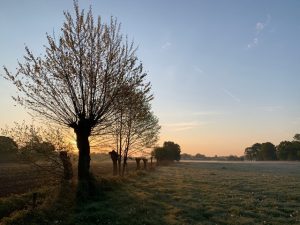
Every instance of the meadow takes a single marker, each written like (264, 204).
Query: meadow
(181, 193)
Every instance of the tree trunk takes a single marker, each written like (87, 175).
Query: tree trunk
(138, 163)
(124, 166)
(119, 165)
(145, 161)
(114, 158)
(125, 162)
(83, 132)
(115, 168)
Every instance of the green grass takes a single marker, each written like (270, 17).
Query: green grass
(184, 193)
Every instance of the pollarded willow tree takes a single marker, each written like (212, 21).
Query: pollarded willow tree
(80, 77)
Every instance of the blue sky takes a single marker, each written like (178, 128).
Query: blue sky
(225, 74)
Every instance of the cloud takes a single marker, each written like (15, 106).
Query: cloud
(253, 43)
(182, 126)
(259, 28)
(231, 95)
(166, 45)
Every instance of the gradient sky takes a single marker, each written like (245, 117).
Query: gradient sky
(225, 74)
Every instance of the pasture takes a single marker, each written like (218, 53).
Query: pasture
(182, 193)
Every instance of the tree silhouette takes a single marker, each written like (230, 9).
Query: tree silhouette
(297, 137)
(253, 152)
(135, 127)
(7, 145)
(169, 152)
(268, 151)
(80, 78)
(288, 150)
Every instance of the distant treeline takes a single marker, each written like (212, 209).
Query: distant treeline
(199, 156)
(286, 150)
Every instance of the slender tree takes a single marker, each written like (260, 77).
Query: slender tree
(141, 132)
(78, 80)
(135, 125)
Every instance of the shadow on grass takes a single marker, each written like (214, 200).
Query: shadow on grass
(116, 202)
(111, 200)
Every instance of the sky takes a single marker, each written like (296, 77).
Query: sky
(225, 74)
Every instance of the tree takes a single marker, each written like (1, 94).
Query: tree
(249, 154)
(186, 156)
(7, 145)
(268, 151)
(135, 127)
(79, 78)
(288, 150)
(282, 150)
(8, 149)
(253, 152)
(297, 137)
(37, 149)
(169, 152)
(200, 156)
(297, 149)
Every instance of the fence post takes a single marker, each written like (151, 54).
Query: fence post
(145, 163)
(67, 165)
(114, 158)
(138, 163)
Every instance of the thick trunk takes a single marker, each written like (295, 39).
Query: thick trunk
(83, 132)
(114, 158)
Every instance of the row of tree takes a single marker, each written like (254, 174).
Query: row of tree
(200, 156)
(286, 150)
(90, 80)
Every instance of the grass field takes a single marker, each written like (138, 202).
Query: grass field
(17, 178)
(183, 193)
